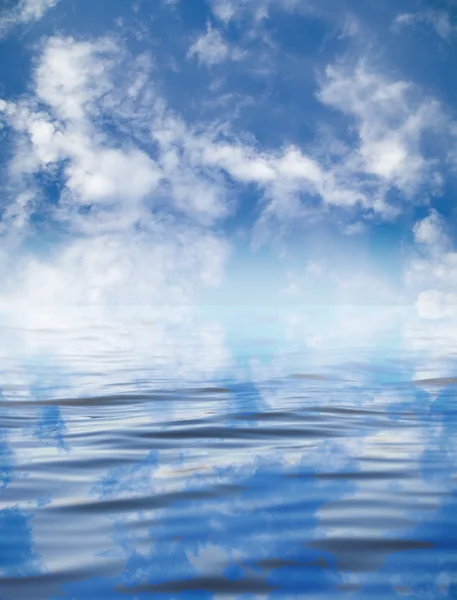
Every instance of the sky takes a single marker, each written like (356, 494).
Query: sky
(226, 152)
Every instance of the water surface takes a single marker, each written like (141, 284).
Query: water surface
(228, 453)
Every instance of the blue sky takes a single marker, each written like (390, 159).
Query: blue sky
(228, 152)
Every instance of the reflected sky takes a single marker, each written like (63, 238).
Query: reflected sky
(190, 457)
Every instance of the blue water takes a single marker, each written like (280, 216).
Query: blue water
(228, 453)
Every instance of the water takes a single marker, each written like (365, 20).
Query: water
(228, 453)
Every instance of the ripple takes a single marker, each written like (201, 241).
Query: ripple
(361, 554)
(312, 483)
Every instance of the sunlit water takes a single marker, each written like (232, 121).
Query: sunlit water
(228, 453)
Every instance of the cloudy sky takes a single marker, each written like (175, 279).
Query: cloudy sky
(228, 152)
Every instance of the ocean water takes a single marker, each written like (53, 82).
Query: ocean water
(228, 452)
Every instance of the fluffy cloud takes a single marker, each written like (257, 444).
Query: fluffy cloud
(25, 12)
(391, 119)
(136, 223)
(132, 171)
(70, 80)
(435, 304)
(123, 269)
(431, 272)
(431, 231)
(211, 48)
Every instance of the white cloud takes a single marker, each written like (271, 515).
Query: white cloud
(390, 118)
(25, 12)
(323, 283)
(439, 20)
(211, 49)
(75, 82)
(355, 228)
(72, 75)
(281, 176)
(137, 223)
(430, 231)
(431, 273)
(435, 304)
(32, 10)
(165, 267)
(150, 166)
(227, 10)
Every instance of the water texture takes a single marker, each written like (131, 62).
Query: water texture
(185, 455)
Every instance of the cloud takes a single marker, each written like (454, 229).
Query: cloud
(282, 176)
(82, 85)
(136, 223)
(431, 271)
(287, 178)
(435, 304)
(439, 20)
(431, 231)
(227, 10)
(211, 48)
(323, 283)
(130, 169)
(124, 270)
(26, 11)
(390, 118)
(32, 10)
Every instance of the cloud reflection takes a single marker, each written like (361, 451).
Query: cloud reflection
(288, 469)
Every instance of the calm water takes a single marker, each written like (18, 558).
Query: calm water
(228, 453)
